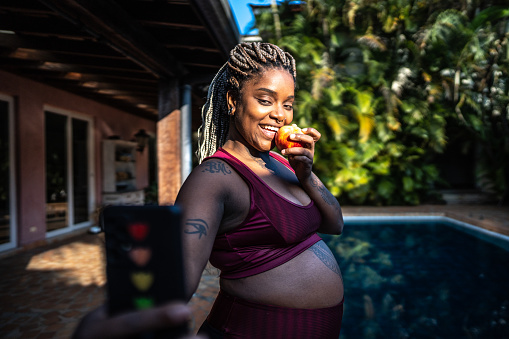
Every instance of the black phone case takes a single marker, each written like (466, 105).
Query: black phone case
(144, 265)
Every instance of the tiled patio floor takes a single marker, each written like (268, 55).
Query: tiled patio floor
(46, 290)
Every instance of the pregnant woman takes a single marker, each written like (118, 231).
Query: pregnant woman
(254, 214)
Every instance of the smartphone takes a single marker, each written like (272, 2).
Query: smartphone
(144, 265)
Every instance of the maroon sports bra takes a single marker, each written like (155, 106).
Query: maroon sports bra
(275, 230)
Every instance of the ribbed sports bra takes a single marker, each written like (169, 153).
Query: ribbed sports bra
(275, 230)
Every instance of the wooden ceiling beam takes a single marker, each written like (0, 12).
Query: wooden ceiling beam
(150, 112)
(77, 78)
(110, 23)
(172, 24)
(100, 77)
(192, 48)
(180, 36)
(209, 66)
(33, 66)
(115, 97)
(141, 97)
(57, 45)
(24, 6)
(49, 25)
(218, 19)
(162, 13)
(148, 91)
(72, 62)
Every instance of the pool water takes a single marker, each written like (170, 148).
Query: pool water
(421, 280)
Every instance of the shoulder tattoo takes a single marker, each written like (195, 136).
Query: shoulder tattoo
(323, 252)
(216, 167)
(196, 226)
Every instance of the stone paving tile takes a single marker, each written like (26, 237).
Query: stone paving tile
(45, 291)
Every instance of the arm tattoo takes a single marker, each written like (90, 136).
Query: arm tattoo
(324, 192)
(216, 167)
(322, 251)
(196, 226)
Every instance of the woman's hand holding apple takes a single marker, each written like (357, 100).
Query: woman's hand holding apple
(299, 146)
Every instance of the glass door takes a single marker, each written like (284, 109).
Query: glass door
(7, 180)
(57, 211)
(69, 196)
(80, 167)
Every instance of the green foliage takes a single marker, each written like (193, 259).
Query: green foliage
(381, 79)
(474, 73)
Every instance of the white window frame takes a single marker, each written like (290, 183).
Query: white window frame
(13, 224)
(91, 169)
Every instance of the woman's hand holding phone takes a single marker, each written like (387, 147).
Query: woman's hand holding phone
(97, 324)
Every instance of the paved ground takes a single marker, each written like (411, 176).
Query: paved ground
(45, 291)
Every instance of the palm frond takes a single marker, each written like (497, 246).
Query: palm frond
(491, 14)
(373, 42)
(402, 80)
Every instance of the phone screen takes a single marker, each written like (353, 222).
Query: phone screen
(144, 265)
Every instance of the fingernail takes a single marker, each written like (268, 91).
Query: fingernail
(283, 151)
(292, 136)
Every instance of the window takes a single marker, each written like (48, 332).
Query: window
(7, 180)
(69, 170)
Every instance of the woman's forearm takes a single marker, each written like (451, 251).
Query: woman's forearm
(332, 217)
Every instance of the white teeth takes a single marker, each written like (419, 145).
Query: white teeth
(270, 128)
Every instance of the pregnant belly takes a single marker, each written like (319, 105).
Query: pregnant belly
(310, 280)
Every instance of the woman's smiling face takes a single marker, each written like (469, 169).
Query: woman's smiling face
(266, 103)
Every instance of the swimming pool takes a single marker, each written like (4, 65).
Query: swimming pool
(422, 279)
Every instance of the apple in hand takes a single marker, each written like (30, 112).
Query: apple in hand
(283, 135)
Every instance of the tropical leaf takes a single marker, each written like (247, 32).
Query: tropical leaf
(380, 167)
(386, 188)
(489, 15)
(408, 184)
(369, 151)
(337, 124)
(373, 42)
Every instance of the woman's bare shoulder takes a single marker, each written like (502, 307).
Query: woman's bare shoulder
(215, 167)
(214, 185)
(213, 177)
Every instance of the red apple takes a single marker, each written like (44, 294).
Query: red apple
(283, 135)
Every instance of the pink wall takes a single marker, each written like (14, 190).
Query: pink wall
(30, 99)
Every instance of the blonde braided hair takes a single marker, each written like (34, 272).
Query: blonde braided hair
(246, 61)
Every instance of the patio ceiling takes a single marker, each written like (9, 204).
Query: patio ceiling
(116, 51)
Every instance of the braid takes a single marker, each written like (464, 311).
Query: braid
(246, 60)
(214, 129)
